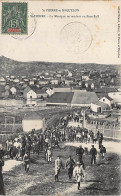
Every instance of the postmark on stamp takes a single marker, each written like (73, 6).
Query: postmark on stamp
(14, 18)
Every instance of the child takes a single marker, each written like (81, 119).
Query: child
(49, 155)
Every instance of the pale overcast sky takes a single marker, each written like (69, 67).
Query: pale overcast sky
(48, 44)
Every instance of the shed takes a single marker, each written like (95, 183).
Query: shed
(33, 121)
(99, 106)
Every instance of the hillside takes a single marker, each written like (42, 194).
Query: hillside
(9, 66)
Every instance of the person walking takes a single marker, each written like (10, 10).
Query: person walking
(49, 155)
(58, 166)
(78, 173)
(70, 165)
(100, 139)
(26, 160)
(79, 153)
(93, 153)
(2, 191)
(102, 151)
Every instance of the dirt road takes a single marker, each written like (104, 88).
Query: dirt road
(100, 179)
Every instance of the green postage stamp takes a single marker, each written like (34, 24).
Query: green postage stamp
(14, 18)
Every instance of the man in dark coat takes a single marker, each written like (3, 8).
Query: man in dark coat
(100, 138)
(93, 153)
(79, 153)
(70, 165)
(2, 192)
(26, 160)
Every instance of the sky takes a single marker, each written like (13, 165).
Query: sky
(77, 39)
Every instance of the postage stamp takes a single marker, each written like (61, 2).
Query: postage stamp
(14, 18)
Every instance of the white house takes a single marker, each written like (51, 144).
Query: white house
(69, 74)
(43, 82)
(85, 76)
(12, 77)
(116, 96)
(58, 75)
(31, 82)
(46, 74)
(16, 80)
(29, 93)
(54, 81)
(49, 92)
(98, 106)
(26, 80)
(107, 100)
(62, 89)
(13, 90)
(2, 81)
(33, 121)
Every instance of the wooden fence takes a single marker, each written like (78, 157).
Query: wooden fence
(108, 132)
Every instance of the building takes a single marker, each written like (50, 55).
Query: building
(2, 81)
(31, 82)
(62, 89)
(49, 91)
(107, 100)
(29, 93)
(116, 96)
(69, 81)
(54, 81)
(69, 74)
(34, 92)
(83, 98)
(2, 90)
(60, 99)
(44, 81)
(85, 76)
(13, 90)
(76, 98)
(33, 121)
(41, 93)
(99, 106)
(16, 80)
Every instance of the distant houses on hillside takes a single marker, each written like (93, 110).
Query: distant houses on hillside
(84, 84)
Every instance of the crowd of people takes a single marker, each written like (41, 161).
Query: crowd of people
(77, 169)
(22, 146)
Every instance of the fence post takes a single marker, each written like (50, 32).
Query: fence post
(114, 131)
(104, 129)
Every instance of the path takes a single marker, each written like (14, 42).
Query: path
(10, 164)
(110, 146)
(40, 180)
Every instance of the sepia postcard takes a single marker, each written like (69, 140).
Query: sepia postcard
(60, 97)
